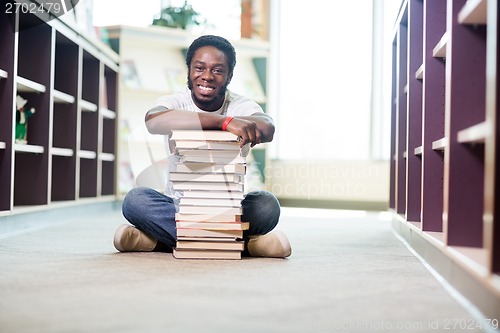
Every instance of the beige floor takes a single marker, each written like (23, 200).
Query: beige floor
(347, 273)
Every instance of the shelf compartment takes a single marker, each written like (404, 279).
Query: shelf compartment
(473, 12)
(88, 177)
(108, 135)
(440, 144)
(91, 74)
(64, 124)
(62, 152)
(66, 67)
(89, 135)
(439, 50)
(63, 177)
(107, 177)
(87, 154)
(3, 74)
(61, 97)
(474, 134)
(34, 149)
(25, 85)
(88, 106)
(30, 179)
(34, 49)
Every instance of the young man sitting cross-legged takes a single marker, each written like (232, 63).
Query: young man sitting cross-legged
(207, 104)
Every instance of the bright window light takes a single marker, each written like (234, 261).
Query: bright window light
(324, 80)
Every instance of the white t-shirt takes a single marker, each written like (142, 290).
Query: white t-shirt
(234, 105)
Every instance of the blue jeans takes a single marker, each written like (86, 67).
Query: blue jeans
(154, 213)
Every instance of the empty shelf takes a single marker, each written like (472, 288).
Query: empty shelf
(439, 50)
(25, 85)
(28, 148)
(474, 134)
(473, 12)
(60, 97)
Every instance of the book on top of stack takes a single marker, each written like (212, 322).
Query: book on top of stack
(210, 175)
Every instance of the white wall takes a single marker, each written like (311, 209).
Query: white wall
(336, 181)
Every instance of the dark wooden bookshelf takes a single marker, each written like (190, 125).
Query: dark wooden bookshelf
(61, 72)
(6, 109)
(444, 193)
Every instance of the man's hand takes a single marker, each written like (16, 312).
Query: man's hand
(257, 128)
(246, 129)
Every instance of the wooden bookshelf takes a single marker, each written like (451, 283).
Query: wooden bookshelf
(446, 193)
(7, 75)
(62, 81)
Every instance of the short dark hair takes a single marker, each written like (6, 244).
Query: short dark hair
(216, 41)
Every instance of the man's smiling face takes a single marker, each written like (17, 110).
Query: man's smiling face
(208, 78)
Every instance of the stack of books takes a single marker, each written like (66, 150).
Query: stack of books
(210, 175)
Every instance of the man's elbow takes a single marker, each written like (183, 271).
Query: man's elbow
(153, 121)
(151, 125)
(268, 133)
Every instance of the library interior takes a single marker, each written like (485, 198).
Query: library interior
(249, 166)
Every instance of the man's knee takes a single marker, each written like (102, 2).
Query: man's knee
(134, 199)
(263, 203)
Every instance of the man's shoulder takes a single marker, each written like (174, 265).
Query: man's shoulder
(239, 105)
(237, 99)
(176, 99)
(232, 96)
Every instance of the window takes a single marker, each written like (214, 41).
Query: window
(321, 86)
(324, 80)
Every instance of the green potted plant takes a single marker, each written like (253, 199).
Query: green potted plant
(178, 17)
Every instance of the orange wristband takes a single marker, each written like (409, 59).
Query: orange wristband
(226, 122)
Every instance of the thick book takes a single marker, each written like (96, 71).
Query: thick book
(206, 135)
(192, 144)
(189, 232)
(210, 244)
(210, 210)
(214, 153)
(207, 186)
(211, 168)
(198, 194)
(207, 177)
(224, 202)
(212, 159)
(208, 217)
(213, 225)
(206, 254)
